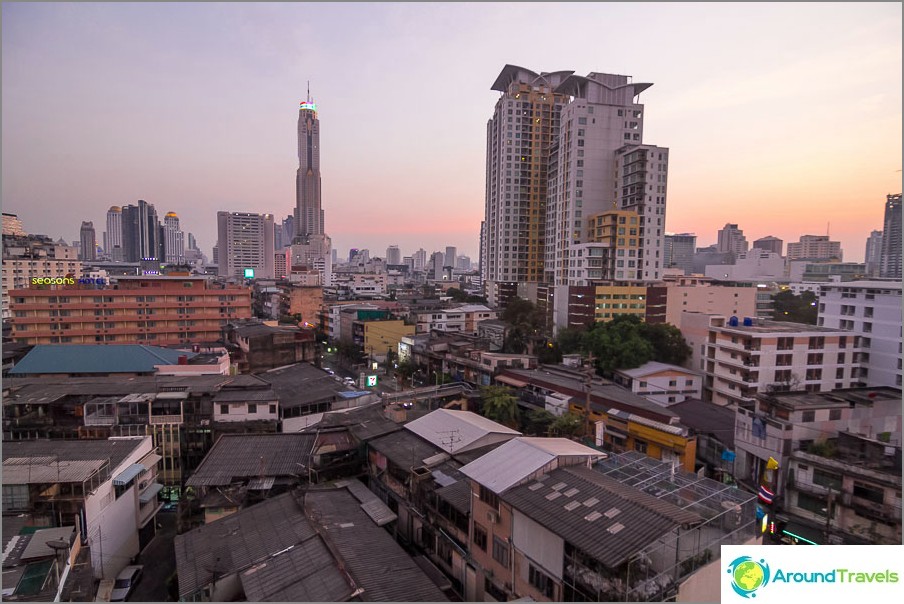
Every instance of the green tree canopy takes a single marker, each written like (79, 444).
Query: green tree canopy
(500, 405)
(618, 344)
(567, 425)
(798, 309)
(537, 422)
(668, 344)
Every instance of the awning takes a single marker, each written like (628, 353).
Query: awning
(151, 460)
(150, 493)
(510, 381)
(128, 474)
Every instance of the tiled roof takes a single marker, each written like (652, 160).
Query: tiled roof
(240, 456)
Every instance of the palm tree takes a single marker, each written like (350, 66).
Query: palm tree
(500, 405)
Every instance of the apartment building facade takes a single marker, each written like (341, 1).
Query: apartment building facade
(145, 310)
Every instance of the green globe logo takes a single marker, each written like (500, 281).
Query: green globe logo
(748, 575)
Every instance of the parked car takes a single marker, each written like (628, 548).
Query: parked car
(125, 582)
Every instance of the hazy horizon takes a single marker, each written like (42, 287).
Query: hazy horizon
(783, 118)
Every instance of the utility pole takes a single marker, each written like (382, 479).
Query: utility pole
(588, 383)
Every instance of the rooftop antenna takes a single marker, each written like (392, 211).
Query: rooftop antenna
(309, 91)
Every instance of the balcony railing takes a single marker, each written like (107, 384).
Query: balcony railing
(165, 419)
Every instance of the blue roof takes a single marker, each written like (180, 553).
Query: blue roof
(96, 358)
(128, 474)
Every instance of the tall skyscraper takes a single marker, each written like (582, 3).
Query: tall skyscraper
(88, 240)
(770, 244)
(113, 235)
(141, 233)
(435, 269)
(451, 253)
(393, 255)
(678, 251)
(245, 241)
(173, 240)
(873, 255)
(520, 136)
(12, 225)
(731, 240)
(602, 118)
(308, 211)
(890, 259)
(192, 242)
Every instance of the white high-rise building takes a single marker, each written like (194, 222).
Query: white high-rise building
(245, 241)
(602, 116)
(173, 240)
(815, 247)
(393, 255)
(420, 260)
(113, 234)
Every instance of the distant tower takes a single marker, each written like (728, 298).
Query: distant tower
(420, 260)
(192, 242)
(770, 244)
(451, 253)
(393, 255)
(173, 240)
(732, 240)
(308, 211)
(141, 232)
(88, 239)
(873, 255)
(890, 259)
(113, 236)
(245, 241)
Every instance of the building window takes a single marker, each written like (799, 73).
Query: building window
(500, 551)
(480, 537)
(640, 446)
(224, 409)
(869, 493)
(812, 504)
(541, 581)
(827, 479)
(489, 497)
(808, 416)
(252, 407)
(273, 409)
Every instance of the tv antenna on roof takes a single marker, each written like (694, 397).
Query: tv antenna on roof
(454, 436)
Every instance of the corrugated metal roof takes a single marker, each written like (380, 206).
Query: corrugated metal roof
(236, 542)
(378, 564)
(306, 573)
(652, 367)
(44, 472)
(611, 522)
(261, 484)
(454, 431)
(90, 358)
(150, 493)
(246, 456)
(518, 459)
(48, 451)
(38, 548)
(128, 474)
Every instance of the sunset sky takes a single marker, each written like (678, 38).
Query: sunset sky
(783, 118)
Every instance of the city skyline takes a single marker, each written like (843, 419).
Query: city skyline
(192, 108)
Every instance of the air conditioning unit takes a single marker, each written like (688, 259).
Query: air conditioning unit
(492, 517)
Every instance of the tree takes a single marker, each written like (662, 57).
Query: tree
(798, 309)
(405, 370)
(537, 422)
(526, 323)
(567, 425)
(618, 344)
(668, 344)
(500, 405)
(570, 340)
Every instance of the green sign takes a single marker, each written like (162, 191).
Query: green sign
(249, 273)
(371, 381)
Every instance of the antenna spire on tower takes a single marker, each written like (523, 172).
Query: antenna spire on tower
(309, 91)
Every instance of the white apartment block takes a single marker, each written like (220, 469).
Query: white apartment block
(755, 264)
(815, 247)
(603, 117)
(662, 383)
(700, 295)
(743, 357)
(463, 319)
(872, 311)
(245, 241)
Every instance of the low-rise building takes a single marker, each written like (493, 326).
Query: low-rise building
(257, 347)
(108, 488)
(848, 492)
(741, 358)
(661, 383)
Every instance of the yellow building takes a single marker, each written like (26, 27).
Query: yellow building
(620, 299)
(381, 336)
